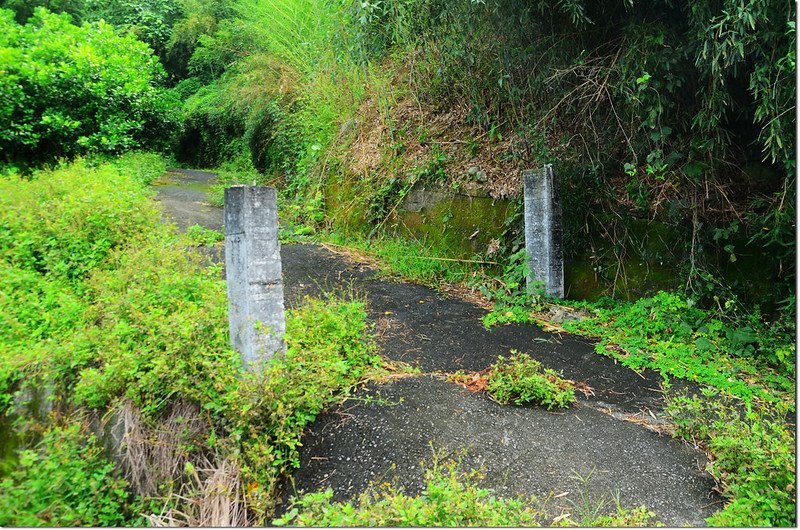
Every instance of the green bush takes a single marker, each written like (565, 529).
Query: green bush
(329, 351)
(99, 297)
(753, 457)
(158, 329)
(64, 223)
(521, 379)
(65, 481)
(55, 230)
(68, 90)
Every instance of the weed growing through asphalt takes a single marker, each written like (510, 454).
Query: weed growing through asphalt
(201, 236)
(590, 510)
(451, 497)
(519, 379)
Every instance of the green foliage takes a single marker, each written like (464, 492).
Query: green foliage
(293, 30)
(100, 297)
(70, 89)
(754, 457)
(667, 333)
(144, 167)
(512, 300)
(329, 351)
(243, 115)
(728, 349)
(451, 498)
(65, 481)
(213, 126)
(155, 308)
(151, 21)
(519, 379)
(204, 236)
(64, 223)
(24, 9)
(623, 79)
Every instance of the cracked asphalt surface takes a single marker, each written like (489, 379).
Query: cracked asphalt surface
(385, 430)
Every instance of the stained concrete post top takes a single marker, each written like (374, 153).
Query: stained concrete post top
(241, 199)
(530, 176)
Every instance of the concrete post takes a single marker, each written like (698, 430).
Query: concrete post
(543, 231)
(253, 271)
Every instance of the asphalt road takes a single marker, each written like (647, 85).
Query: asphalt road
(386, 430)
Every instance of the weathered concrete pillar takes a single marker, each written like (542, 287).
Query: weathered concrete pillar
(253, 271)
(543, 231)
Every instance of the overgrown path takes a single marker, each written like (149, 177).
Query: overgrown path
(385, 430)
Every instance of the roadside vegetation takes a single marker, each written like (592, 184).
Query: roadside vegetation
(101, 302)
(452, 497)
(680, 115)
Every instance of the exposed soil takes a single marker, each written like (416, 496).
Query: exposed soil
(385, 430)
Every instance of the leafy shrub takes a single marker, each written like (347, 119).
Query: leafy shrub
(65, 481)
(329, 351)
(754, 457)
(213, 127)
(151, 21)
(56, 228)
(139, 318)
(70, 89)
(521, 379)
(161, 329)
(204, 236)
(63, 223)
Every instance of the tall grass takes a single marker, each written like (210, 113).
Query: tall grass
(294, 30)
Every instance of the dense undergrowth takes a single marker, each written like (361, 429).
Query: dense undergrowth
(101, 302)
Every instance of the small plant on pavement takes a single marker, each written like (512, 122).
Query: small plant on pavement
(452, 497)
(520, 379)
(201, 236)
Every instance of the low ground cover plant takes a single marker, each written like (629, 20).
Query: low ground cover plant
(521, 379)
(753, 455)
(66, 481)
(452, 496)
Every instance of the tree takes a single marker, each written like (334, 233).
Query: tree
(67, 89)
